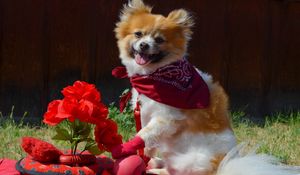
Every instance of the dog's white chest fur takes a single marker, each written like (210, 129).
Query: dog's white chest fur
(184, 151)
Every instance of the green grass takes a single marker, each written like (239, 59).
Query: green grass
(124, 120)
(279, 135)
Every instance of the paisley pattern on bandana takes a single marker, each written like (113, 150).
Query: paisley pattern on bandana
(178, 74)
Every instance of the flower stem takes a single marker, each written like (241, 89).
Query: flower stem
(82, 151)
(72, 148)
(75, 149)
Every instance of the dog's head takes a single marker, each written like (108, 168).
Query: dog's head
(148, 41)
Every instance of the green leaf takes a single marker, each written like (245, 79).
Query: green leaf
(85, 131)
(62, 134)
(77, 125)
(81, 129)
(93, 149)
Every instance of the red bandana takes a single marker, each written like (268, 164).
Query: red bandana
(177, 84)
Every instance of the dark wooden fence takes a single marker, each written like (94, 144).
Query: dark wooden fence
(251, 46)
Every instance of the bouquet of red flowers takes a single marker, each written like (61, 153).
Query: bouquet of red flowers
(80, 109)
(80, 117)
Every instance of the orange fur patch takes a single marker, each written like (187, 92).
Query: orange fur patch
(215, 162)
(214, 119)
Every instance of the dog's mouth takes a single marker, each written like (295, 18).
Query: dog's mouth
(144, 59)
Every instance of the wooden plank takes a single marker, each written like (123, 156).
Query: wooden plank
(246, 52)
(1, 49)
(107, 54)
(45, 51)
(93, 23)
(285, 82)
(247, 27)
(21, 78)
(69, 43)
(289, 79)
(208, 45)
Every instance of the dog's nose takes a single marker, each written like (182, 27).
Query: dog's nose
(144, 46)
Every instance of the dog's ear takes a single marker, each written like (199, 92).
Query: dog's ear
(134, 7)
(184, 19)
(181, 17)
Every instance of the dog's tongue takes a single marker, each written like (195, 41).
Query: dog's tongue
(141, 59)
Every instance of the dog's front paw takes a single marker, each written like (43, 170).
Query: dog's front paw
(128, 148)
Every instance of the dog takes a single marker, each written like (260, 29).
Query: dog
(184, 113)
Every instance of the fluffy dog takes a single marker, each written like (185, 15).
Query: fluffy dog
(191, 128)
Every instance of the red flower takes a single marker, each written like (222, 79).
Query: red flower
(59, 110)
(91, 113)
(82, 101)
(82, 90)
(107, 136)
(50, 116)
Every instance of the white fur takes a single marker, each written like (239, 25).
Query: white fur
(157, 120)
(206, 77)
(237, 162)
(148, 39)
(189, 153)
(192, 153)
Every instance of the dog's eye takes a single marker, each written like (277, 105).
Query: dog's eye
(138, 34)
(159, 40)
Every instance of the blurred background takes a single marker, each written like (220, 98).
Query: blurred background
(252, 47)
